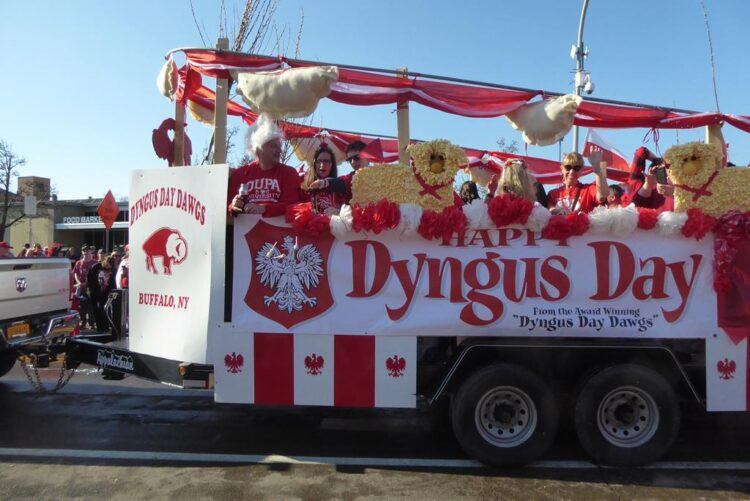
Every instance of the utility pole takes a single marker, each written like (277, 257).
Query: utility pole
(581, 79)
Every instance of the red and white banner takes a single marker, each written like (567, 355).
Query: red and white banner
(176, 233)
(494, 282)
(315, 369)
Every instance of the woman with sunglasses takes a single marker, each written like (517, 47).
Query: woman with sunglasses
(319, 179)
(574, 196)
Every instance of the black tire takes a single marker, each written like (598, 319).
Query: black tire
(512, 395)
(626, 415)
(7, 361)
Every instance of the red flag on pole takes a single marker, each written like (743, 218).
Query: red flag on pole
(597, 144)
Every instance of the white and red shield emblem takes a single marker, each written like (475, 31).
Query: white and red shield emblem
(289, 274)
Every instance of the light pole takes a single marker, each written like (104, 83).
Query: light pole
(582, 80)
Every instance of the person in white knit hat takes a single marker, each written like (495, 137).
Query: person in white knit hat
(265, 186)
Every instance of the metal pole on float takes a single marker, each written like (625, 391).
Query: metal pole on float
(220, 112)
(580, 54)
(402, 116)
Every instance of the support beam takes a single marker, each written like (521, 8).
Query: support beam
(178, 155)
(714, 136)
(402, 115)
(220, 112)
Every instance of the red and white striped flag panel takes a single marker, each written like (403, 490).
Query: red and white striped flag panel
(307, 369)
(727, 383)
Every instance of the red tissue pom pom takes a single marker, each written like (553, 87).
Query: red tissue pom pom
(305, 221)
(698, 224)
(564, 227)
(647, 218)
(509, 209)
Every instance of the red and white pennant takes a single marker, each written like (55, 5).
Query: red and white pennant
(328, 370)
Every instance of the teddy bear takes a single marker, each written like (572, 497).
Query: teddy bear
(427, 183)
(700, 181)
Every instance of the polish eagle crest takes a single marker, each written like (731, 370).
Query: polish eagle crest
(289, 272)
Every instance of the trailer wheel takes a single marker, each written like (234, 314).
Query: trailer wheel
(626, 415)
(504, 415)
(7, 361)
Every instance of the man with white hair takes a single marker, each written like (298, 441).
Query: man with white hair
(264, 186)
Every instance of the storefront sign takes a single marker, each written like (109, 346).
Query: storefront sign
(82, 220)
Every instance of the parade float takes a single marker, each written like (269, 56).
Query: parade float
(403, 299)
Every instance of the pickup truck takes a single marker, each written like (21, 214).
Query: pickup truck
(34, 307)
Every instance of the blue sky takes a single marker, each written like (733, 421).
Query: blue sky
(79, 100)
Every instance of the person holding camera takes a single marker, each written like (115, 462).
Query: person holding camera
(650, 188)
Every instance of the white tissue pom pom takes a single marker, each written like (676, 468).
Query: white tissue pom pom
(477, 214)
(341, 224)
(411, 215)
(671, 223)
(625, 221)
(538, 218)
(345, 213)
(338, 227)
(600, 220)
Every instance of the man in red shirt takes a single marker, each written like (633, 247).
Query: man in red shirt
(574, 196)
(266, 185)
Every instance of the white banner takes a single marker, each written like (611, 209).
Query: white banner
(177, 240)
(498, 282)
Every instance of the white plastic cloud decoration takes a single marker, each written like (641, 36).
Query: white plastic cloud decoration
(166, 80)
(545, 122)
(289, 93)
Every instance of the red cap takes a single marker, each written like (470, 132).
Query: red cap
(5, 245)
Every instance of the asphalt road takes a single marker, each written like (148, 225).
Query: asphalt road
(133, 440)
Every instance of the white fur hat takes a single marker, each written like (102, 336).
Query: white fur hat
(264, 130)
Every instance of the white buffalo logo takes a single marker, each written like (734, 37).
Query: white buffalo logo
(167, 244)
(289, 274)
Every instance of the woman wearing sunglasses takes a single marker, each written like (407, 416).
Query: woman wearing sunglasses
(574, 196)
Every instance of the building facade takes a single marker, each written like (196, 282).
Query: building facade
(72, 223)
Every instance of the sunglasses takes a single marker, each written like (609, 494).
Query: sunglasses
(353, 158)
(576, 167)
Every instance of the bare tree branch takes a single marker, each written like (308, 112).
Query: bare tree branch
(195, 20)
(9, 165)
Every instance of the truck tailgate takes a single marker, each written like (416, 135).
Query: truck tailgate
(32, 286)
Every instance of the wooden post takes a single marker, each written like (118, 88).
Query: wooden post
(402, 115)
(179, 135)
(220, 112)
(715, 137)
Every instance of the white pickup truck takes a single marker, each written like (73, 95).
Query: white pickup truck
(34, 307)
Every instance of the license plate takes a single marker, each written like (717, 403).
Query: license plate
(18, 330)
